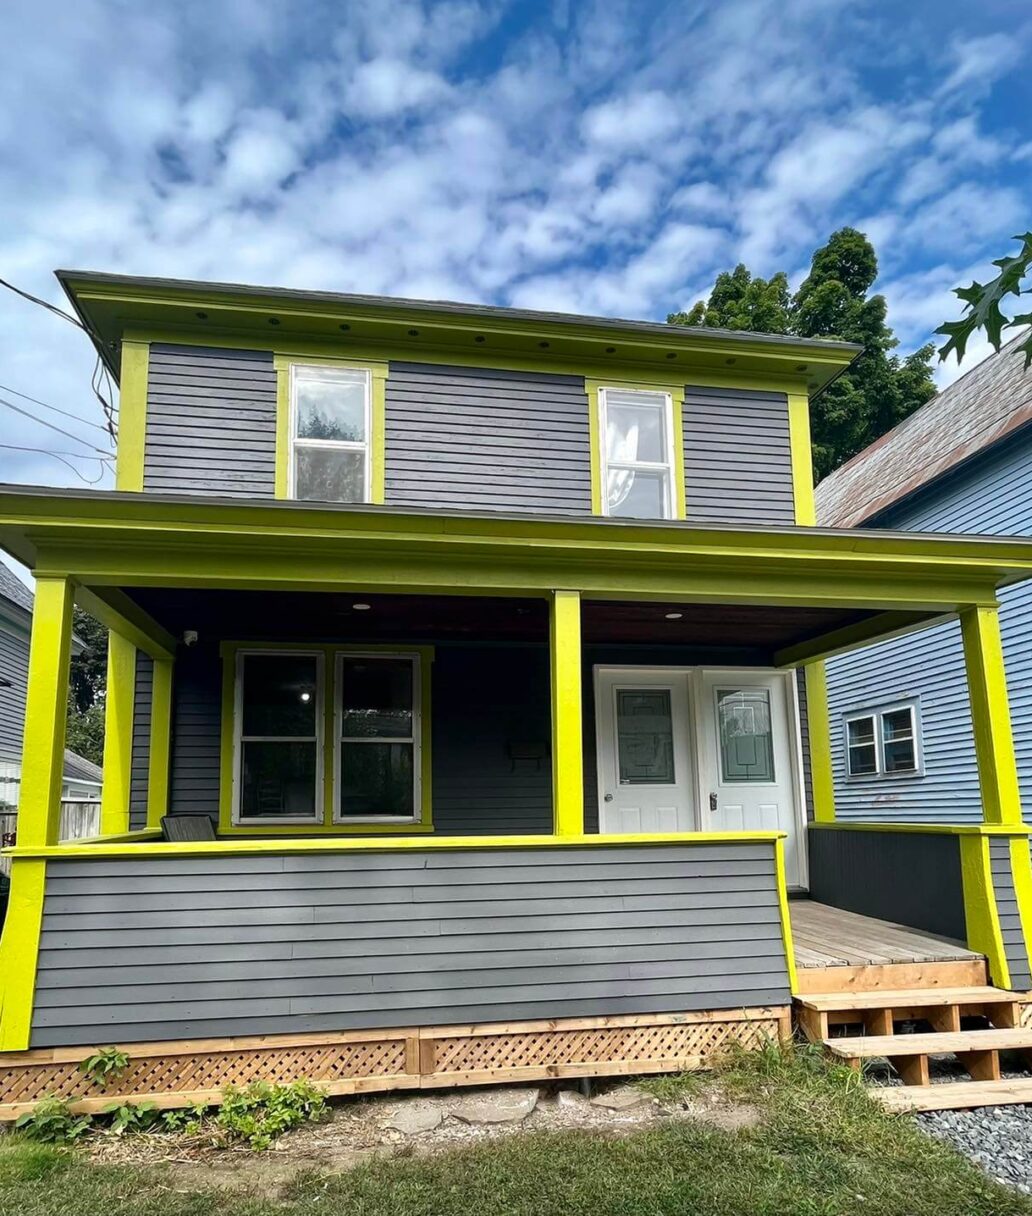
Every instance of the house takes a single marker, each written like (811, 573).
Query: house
(454, 730)
(81, 778)
(901, 728)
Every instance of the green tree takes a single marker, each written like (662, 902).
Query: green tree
(879, 389)
(983, 301)
(86, 689)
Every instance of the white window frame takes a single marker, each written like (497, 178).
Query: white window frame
(877, 714)
(239, 738)
(643, 466)
(340, 445)
(416, 738)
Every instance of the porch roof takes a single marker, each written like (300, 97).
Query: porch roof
(111, 541)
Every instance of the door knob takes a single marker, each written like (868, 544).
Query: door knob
(712, 802)
(609, 798)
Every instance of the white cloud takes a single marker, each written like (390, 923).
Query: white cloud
(978, 62)
(632, 121)
(386, 87)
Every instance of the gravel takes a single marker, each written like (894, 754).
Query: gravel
(998, 1138)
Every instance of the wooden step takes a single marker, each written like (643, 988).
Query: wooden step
(961, 1095)
(909, 998)
(885, 1046)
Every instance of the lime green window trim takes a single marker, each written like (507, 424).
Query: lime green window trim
(325, 822)
(595, 389)
(132, 415)
(376, 440)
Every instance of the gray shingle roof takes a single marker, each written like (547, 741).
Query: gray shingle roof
(78, 768)
(977, 411)
(13, 589)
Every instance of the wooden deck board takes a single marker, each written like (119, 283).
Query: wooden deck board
(831, 937)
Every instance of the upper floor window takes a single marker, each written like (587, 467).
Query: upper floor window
(330, 428)
(883, 742)
(638, 453)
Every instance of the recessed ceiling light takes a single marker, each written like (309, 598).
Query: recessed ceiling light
(306, 697)
(673, 616)
(361, 607)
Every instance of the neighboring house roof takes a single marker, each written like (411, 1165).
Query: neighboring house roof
(78, 768)
(988, 404)
(13, 589)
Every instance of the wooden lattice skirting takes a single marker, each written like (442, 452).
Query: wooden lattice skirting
(184, 1073)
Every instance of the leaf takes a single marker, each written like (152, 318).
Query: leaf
(983, 303)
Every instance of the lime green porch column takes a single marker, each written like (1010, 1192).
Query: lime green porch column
(567, 725)
(990, 715)
(39, 804)
(118, 735)
(160, 742)
(818, 721)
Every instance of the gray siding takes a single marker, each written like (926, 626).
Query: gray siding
(1010, 918)
(487, 439)
(14, 668)
(149, 949)
(737, 457)
(992, 496)
(196, 722)
(211, 421)
(910, 878)
(141, 741)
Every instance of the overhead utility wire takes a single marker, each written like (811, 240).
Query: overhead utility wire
(53, 427)
(90, 481)
(6, 388)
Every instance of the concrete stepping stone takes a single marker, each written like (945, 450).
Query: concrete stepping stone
(500, 1106)
(624, 1097)
(415, 1117)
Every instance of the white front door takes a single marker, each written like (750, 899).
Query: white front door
(646, 775)
(749, 766)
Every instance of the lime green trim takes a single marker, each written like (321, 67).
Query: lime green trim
(122, 615)
(980, 910)
(381, 844)
(118, 735)
(46, 711)
(19, 951)
(990, 715)
(851, 637)
(822, 774)
(141, 834)
(1021, 872)
(132, 415)
(567, 728)
(328, 652)
(786, 917)
(378, 372)
(595, 444)
(802, 458)
(1019, 831)
(593, 387)
(159, 743)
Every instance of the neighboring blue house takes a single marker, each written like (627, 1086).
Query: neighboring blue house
(900, 721)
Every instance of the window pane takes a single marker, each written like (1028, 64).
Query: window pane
(860, 730)
(898, 724)
(635, 427)
(280, 695)
(863, 760)
(277, 779)
(645, 736)
(900, 756)
(329, 475)
(637, 495)
(376, 698)
(746, 739)
(330, 404)
(376, 779)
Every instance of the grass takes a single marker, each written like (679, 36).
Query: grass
(824, 1149)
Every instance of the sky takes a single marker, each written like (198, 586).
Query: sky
(604, 157)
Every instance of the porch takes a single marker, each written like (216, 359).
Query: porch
(482, 883)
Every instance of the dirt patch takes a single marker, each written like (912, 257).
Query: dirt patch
(361, 1129)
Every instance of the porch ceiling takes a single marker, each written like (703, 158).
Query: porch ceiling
(297, 615)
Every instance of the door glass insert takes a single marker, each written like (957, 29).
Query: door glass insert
(645, 736)
(746, 739)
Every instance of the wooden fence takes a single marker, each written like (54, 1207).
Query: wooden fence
(78, 820)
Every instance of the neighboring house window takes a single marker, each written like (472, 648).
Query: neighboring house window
(279, 699)
(637, 453)
(883, 742)
(330, 433)
(378, 732)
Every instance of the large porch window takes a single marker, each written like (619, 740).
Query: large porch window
(328, 736)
